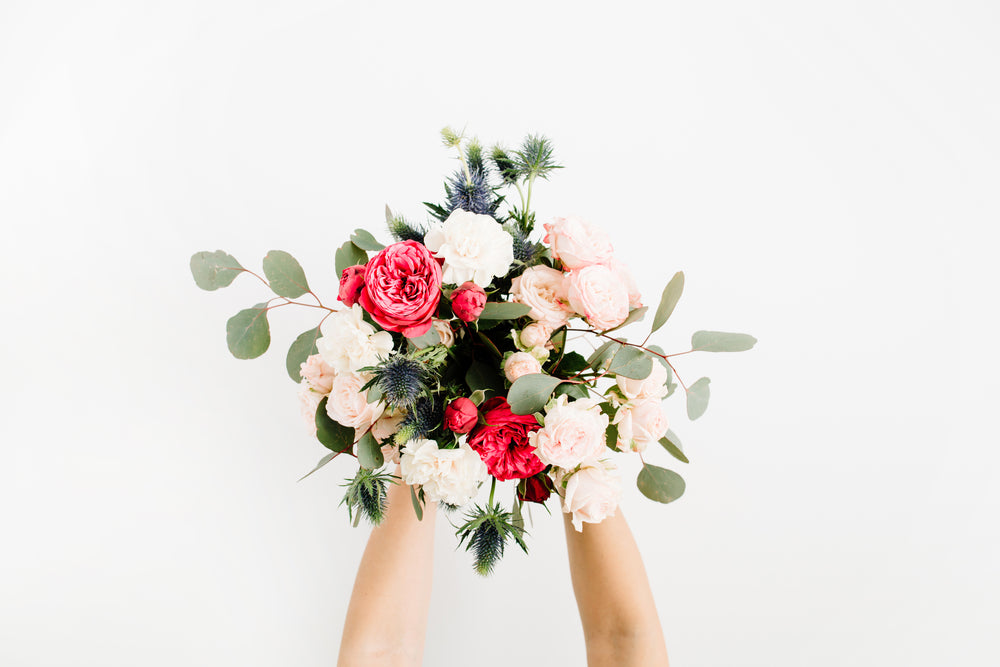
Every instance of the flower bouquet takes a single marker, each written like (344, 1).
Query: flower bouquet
(449, 355)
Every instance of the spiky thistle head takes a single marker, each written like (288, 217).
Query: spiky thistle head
(505, 165)
(423, 418)
(487, 531)
(473, 194)
(525, 250)
(366, 496)
(402, 380)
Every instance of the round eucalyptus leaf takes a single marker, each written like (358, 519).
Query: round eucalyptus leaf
(697, 398)
(248, 333)
(285, 274)
(301, 349)
(212, 270)
(660, 484)
(531, 392)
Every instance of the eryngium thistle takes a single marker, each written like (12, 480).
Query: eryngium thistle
(525, 250)
(401, 380)
(366, 496)
(423, 418)
(475, 196)
(402, 230)
(488, 531)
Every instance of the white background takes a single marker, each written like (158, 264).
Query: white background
(825, 174)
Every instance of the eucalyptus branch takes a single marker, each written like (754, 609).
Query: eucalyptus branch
(665, 357)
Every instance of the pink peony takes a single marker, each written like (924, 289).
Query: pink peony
(352, 281)
(574, 432)
(544, 289)
(598, 294)
(468, 301)
(577, 243)
(402, 288)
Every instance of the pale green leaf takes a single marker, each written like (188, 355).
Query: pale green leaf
(504, 310)
(301, 349)
(720, 341)
(248, 334)
(672, 444)
(631, 362)
(322, 462)
(671, 295)
(333, 435)
(531, 392)
(369, 452)
(697, 398)
(212, 270)
(348, 255)
(660, 484)
(364, 240)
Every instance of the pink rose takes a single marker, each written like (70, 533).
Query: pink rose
(577, 243)
(347, 404)
(308, 402)
(639, 424)
(402, 288)
(574, 432)
(625, 275)
(598, 294)
(537, 334)
(317, 373)
(544, 289)
(653, 385)
(591, 493)
(352, 281)
(461, 415)
(468, 301)
(520, 363)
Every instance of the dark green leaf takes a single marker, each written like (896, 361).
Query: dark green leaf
(504, 310)
(485, 377)
(334, 435)
(660, 484)
(349, 255)
(671, 295)
(672, 444)
(284, 274)
(322, 462)
(720, 341)
(572, 362)
(212, 270)
(572, 390)
(697, 398)
(417, 509)
(247, 332)
(369, 452)
(303, 347)
(631, 362)
(531, 392)
(364, 240)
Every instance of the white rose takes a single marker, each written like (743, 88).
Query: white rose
(536, 334)
(448, 475)
(349, 343)
(653, 385)
(348, 404)
(598, 294)
(546, 291)
(308, 401)
(577, 243)
(474, 247)
(592, 493)
(444, 331)
(574, 432)
(521, 363)
(640, 423)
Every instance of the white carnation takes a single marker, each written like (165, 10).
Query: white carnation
(448, 475)
(349, 343)
(474, 247)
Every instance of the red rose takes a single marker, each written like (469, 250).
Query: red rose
(460, 415)
(502, 442)
(468, 301)
(402, 288)
(537, 489)
(352, 281)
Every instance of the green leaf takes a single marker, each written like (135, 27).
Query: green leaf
(322, 462)
(572, 362)
(478, 396)
(720, 341)
(601, 355)
(516, 519)
(631, 362)
(364, 240)
(672, 444)
(247, 332)
(285, 274)
(485, 377)
(660, 484)
(212, 270)
(300, 350)
(334, 435)
(671, 295)
(369, 452)
(697, 398)
(572, 390)
(349, 255)
(413, 494)
(531, 392)
(504, 310)
(634, 315)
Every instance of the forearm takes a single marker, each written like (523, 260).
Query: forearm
(387, 616)
(616, 605)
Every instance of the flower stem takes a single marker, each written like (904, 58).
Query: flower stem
(493, 487)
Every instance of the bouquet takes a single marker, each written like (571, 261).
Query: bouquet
(449, 355)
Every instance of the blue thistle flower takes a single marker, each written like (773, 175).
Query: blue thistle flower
(402, 380)
(424, 417)
(475, 196)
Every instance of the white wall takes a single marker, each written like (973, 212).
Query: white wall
(824, 173)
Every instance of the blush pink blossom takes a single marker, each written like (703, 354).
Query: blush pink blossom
(402, 288)
(574, 432)
(591, 493)
(577, 243)
(545, 290)
(318, 373)
(521, 363)
(598, 294)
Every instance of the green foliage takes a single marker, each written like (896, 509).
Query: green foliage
(720, 341)
(417, 509)
(668, 301)
(634, 315)
(488, 530)
(300, 350)
(504, 165)
(484, 377)
(212, 270)
(333, 435)
(504, 310)
(450, 138)
(285, 274)
(603, 355)
(366, 495)
(572, 362)
(322, 462)
(631, 362)
(531, 392)
(697, 398)
(672, 444)
(248, 334)
(349, 255)
(474, 155)
(534, 158)
(369, 452)
(572, 390)
(364, 240)
(401, 229)
(660, 484)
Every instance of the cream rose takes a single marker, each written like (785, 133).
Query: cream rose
(349, 343)
(545, 290)
(318, 373)
(598, 294)
(474, 247)
(536, 334)
(445, 333)
(653, 385)
(309, 401)
(447, 475)
(574, 432)
(521, 363)
(348, 403)
(640, 423)
(592, 493)
(577, 243)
